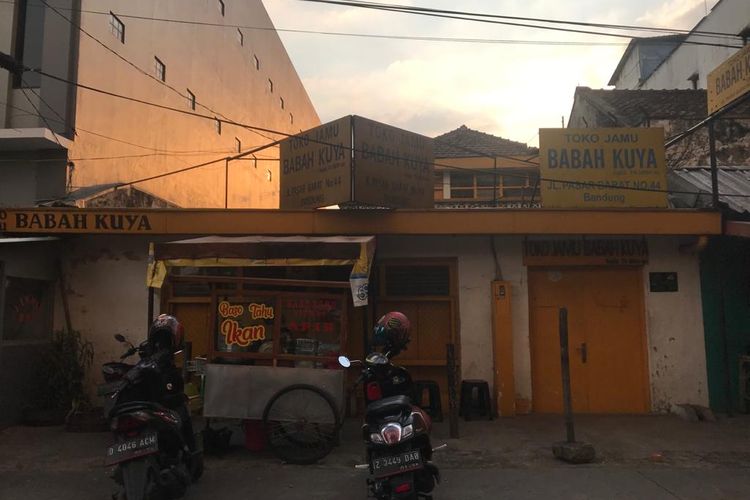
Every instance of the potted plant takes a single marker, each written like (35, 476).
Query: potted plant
(60, 392)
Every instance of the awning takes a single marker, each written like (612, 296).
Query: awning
(256, 251)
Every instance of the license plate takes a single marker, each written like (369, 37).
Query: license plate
(127, 449)
(396, 464)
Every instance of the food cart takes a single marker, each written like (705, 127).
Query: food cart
(278, 315)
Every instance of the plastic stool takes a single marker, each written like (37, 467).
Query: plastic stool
(434, 407)
(475, 406)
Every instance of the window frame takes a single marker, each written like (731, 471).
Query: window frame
(159, 65)
(116, 27)
(191, 100)
(256, 61)
(217, 125)
(222, 8)
(241, 38)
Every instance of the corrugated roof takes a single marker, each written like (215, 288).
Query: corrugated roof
(732, 180)
(465, 142)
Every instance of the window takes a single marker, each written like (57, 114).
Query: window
(117, 27)
(240, 37)
(269, 176)
(160, 70)
(511, 185)
(257, 62)
(270, 85)
(191, 100)
(239, 144)
(221, 8)
(217, 123)
(417, 280)
(291, 118)
(281, 102)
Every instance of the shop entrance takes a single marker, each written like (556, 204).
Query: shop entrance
(608, 364)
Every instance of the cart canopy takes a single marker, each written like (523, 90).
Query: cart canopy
(250, 251)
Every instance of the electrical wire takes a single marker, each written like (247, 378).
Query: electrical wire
(435, 13)
(198, 115)
(422, 38)
(135, 66)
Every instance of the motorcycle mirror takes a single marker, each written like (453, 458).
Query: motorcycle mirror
(120, 338)
(344, 361)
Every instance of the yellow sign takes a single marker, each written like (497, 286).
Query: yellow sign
(392, 167)
(585, 252)
(730, 80)
(603, 168)
(316, 166)
(79, 221)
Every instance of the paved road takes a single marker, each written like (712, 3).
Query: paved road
(228, 481)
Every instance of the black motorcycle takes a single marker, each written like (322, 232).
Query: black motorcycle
(396, 433)
(155, 459)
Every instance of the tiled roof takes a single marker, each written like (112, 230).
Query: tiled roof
(465, 142)
(636, 107)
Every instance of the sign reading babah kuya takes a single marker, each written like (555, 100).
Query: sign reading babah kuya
(392, 167)
(730, 80)
(316, 166)
(603, 168)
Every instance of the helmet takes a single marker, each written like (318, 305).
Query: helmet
(166, 332)
(392, 331)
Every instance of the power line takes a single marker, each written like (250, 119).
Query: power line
(166, 152)
(135, 66)
(561, 181)
(437, 13)
(408, 9)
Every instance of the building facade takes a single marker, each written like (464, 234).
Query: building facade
(220, 59)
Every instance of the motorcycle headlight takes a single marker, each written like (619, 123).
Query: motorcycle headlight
(391, 433)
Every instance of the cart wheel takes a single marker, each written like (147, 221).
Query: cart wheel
(301, 424)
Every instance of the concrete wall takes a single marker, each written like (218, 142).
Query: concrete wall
(728, 16)
(218, 71)
(107, 295)
(674, 322)
(117, 140)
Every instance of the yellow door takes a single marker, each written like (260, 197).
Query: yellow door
(606, 339)
(196, 318)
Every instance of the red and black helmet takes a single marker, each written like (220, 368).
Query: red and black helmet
(392, 332)
(166, 332)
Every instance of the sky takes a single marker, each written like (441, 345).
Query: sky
(433, 87)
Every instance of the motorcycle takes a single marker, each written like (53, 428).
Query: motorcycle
(154, 458)
(396, 433)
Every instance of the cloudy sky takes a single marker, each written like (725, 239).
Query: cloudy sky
(432, 87)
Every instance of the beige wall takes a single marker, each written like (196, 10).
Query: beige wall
(209, 61)
(107, 295)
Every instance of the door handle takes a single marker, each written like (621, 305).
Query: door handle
(583, 351)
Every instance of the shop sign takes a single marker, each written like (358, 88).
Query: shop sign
(356, 161)
(77, 221)
(586, 252)
(316, 166)
(730, 80)
(583, 168)
(245, 325)
(311, 325)
(392, 167)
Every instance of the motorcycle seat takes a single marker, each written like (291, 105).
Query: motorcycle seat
(389, 406)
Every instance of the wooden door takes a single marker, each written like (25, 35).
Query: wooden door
(196, 318)
(606, 339)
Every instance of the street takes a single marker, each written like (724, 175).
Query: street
(650, 457)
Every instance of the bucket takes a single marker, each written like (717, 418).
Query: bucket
(255, 436)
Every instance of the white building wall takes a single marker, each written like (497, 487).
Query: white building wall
(674, 325)
(107, 295)
(727, 16)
